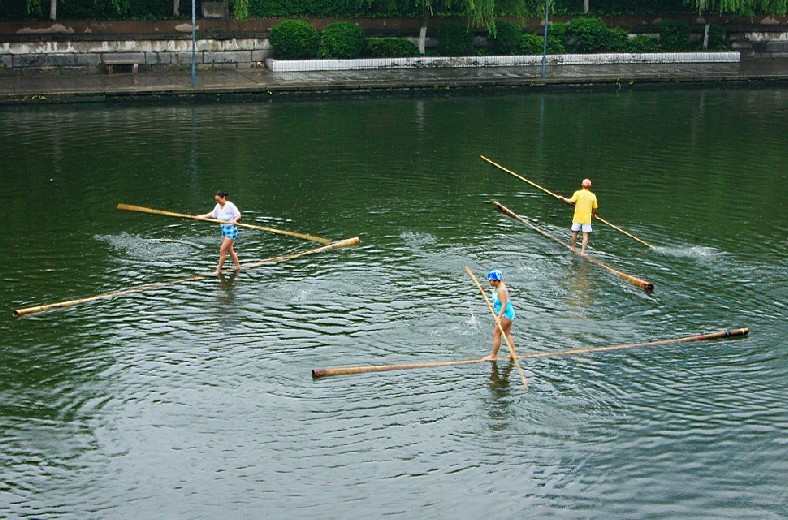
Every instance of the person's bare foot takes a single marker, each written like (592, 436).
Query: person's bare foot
(217, 273)
(490, 358)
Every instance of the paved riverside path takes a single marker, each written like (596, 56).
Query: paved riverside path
(46, 88)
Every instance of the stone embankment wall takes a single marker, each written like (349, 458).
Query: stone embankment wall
(92, 56)
(88, 47)
(766, 48)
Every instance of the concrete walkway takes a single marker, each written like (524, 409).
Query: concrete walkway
(15, 89)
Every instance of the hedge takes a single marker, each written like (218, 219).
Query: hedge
(505, 38)
(533, 44)
(674, 35)
(293, 40)
(455, 39)
(391, 48)
(589, 35)
(342, 40)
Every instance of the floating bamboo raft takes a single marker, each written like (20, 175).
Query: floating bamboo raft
(637, 282)
(69, 303)
(344, 371)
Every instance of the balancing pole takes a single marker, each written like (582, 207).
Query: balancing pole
(630, 235)
(512, 352)
(142, 209)
(325, 372)
(643, 284)
(40, 308)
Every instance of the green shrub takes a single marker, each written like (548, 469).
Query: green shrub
(617, 40)
(643, 43)
(294, 39)
(454, 39)
(558, 30)
(506, 39)
(555, 45)
(342, 40)
(674, 35)
(586, 35)
(391, 48)
(533, 44)
(718, 40)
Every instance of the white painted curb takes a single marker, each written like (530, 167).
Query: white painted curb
(500, 61)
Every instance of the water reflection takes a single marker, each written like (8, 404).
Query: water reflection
(580, 293)
(500, 378)
(500, 390)
(226, 298)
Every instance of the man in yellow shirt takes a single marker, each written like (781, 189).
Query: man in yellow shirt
(585, 209)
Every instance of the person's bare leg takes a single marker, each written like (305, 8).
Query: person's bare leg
(234, 257)
(226, 244)
(585, 243)
(506, 325)
(574, 239)
(495, 346)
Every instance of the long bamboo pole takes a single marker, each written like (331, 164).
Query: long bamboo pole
(343, 371)
(40, 308)
(512, 352)
(630, 235)
(638, 282)
(143, 209)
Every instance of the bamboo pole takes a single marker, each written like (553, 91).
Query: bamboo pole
(343, 371)
(512, 352)
(698, 337)
(143, 209)
(349, 242)
(638, 282)
(40, 308)
(323, 372)
(630, 235)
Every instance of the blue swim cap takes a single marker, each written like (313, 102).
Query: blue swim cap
(495, 275)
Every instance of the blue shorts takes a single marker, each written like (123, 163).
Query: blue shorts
(230, 231)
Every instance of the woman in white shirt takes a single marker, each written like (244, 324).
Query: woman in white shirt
(226, 211)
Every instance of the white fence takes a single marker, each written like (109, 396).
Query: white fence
(500, 61)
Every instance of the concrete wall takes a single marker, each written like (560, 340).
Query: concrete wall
(769, 45)
(93, 56)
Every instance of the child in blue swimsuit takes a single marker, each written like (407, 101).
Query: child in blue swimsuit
(502, 305)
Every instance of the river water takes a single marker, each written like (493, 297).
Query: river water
(196, 400)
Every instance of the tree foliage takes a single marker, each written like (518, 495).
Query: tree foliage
(478, 12)
(743, 7)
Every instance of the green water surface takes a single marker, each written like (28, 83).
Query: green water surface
(196, 400)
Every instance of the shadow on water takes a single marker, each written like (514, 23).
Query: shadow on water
(580, 286)
(500, 391)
